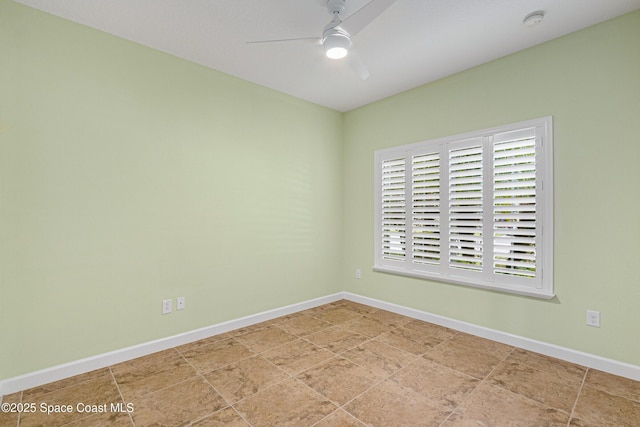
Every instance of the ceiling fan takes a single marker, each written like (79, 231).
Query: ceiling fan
(337, 34)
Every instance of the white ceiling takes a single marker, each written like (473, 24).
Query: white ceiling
(412, 43)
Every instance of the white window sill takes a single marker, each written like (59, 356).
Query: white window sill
(518, 290)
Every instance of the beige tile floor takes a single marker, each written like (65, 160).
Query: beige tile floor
(341, 364)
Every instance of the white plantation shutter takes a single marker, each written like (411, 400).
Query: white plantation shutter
(425, 209)
(473, 209)
(466, 217)
(394, 226)
(514, 204)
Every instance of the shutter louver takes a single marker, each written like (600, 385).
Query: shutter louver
(425, 209)
(514, 206)
(393, 210)
(466, 208)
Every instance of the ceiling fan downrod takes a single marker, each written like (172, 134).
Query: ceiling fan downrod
(335, 7)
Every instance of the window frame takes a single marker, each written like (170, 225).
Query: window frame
(541, 286)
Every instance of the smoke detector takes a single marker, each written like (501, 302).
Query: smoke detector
(533, 19)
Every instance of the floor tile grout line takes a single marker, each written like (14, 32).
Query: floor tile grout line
(371, 338)
(343, 406)
(486, 377)
(225, 365)
(197, 373)
(229, 405)
(217, 391)
(39, 395)
(422, 354)
(240, 415)
(333, 402)
(142, 364)
(528, 398)
(575, 404)
(308, 340)
(262, 390)
(611, 392)
(305, 337)
(188, 362)
(513, 392)
(463, 400)
(20, 413)
(305, 369)
(614, 394)
(514, 349)
(387, 377)
(415, 357)
(113, 377)
(288, 375)
(480, 382)
(86, 415)
(339, 409)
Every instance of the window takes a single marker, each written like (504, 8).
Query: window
(473, 209)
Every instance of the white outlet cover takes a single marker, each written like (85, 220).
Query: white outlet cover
(166, 306)
(180, 303)
(593, 318)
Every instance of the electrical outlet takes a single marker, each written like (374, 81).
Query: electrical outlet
(593, 318)
(166, 306)
(180, 303)
(358, 274)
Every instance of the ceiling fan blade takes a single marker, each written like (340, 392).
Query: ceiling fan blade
(356, 63)
(284, 40)
(365, 15)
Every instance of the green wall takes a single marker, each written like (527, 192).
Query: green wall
(129, 176)
(589, 81)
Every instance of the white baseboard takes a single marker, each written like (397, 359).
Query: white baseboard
(575, 356)
(55, 373)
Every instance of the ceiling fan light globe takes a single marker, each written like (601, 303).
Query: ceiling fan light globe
(336, 46)
(337, 52)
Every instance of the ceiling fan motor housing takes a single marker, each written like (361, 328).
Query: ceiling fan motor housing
(336, 43)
